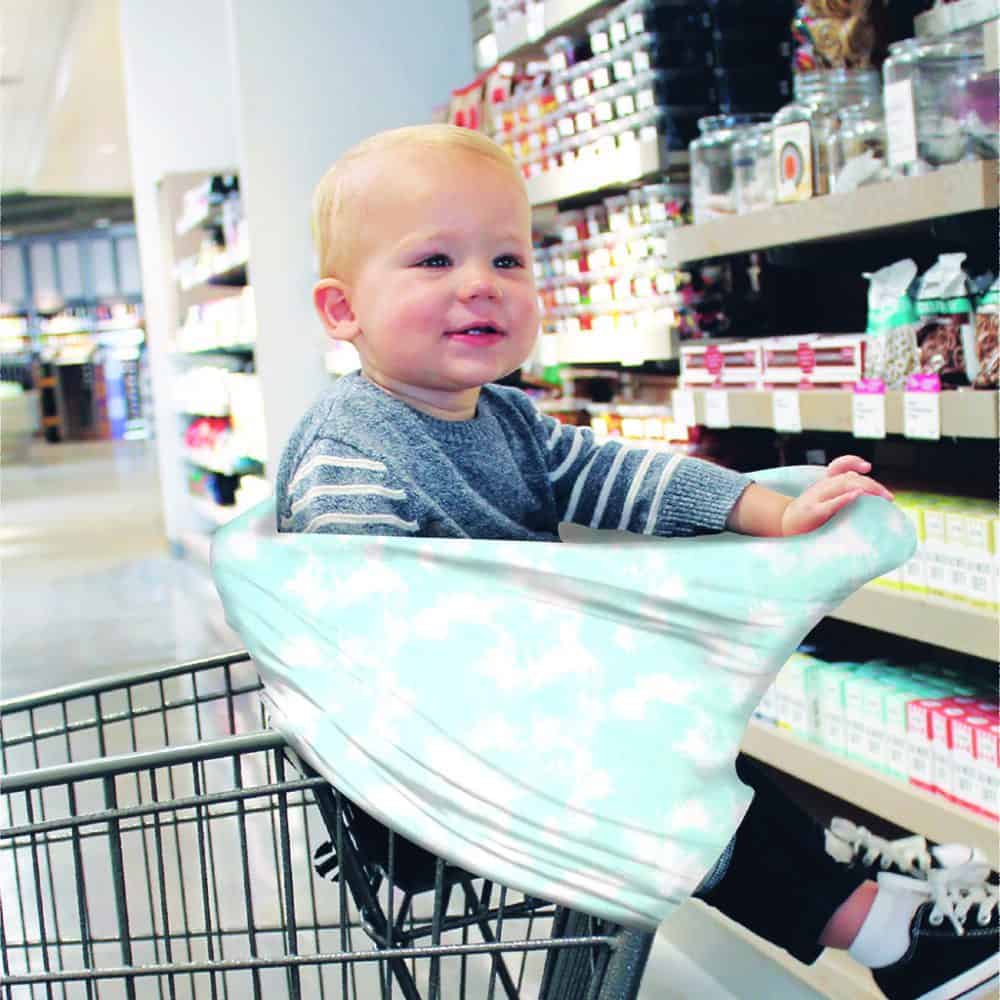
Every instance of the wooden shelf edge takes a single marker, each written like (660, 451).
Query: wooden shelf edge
(908, 807)
(964, 413)
(953, 190)
(936, 621)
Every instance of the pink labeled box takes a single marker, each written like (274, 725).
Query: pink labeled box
(968, 784)
(986, 742)
(734, 363)
(942, 717)
(918, 741)
(818, 361)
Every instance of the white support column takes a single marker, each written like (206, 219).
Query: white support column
(181, 117)
(313, 78)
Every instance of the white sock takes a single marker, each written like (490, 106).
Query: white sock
(884, 936)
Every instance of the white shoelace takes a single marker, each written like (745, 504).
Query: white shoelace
(953, 891)
(908, 854)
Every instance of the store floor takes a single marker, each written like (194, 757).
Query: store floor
(89, 589)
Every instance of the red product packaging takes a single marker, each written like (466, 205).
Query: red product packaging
(918, 741)
(986, 740)
(967, 785)
(819, 360)
(942, 717)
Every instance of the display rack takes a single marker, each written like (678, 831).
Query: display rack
(203, 281)
(910, 807)
(964, 413)
(953, 190)
(938, 621)
(522, 37)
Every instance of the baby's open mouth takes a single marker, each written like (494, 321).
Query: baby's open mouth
(476, 330)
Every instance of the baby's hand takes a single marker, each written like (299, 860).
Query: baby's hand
(845, 481)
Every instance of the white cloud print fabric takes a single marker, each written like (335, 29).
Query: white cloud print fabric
(562, 717)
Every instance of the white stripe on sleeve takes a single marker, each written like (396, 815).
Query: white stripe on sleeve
(661, 486)
(348, 489)
(609, 482)
(574, 497)
(633, 492)
(321, 520)
(570, 458)
(340, 463)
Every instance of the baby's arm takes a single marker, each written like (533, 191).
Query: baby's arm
(337, 489)
(761, 511)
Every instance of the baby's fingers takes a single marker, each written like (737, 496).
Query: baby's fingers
(850, 482)
(848, 463)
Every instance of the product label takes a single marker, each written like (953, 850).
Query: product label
(636, 23)
(900, 122)
(713, 359)
(922, 407)
(603, 111)
(793, 162)
(561, 93)
(601, 78)
(580, 87)
(641, 61)
(717, 408)
(786, 411)
(599, 42)
(868, 408)
(619, 32)
(623, 69)
(645, 99)
(584, 121)
(625, 105)
(683, 403)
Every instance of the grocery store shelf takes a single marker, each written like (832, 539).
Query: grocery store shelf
(964, 413)
(755, 967)
(900, 803)
(954, 17)
(523, 36)
(938, 621)
(964, 187)
(635, 348)
(627, 163)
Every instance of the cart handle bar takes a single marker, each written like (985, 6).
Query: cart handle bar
(117, 681)
(147, 760)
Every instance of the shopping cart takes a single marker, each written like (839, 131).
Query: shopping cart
(160, 841)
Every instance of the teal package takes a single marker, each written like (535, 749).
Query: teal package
(562, 717)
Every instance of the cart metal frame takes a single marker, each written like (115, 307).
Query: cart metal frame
(118, 877)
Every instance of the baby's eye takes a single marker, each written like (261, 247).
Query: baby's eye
(507, 261)
(435, 260)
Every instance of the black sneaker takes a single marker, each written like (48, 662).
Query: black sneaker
(954, 938)
(857, 846)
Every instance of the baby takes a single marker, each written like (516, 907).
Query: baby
(425, 256)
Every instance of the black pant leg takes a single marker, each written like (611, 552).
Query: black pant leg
(775, 877)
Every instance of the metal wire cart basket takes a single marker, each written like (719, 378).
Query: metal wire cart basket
(159, 841)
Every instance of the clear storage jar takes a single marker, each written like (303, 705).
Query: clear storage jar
(978, 108)
(713, 192)
(802, 129)
(856, 151)
(922, 100)
(753, 168)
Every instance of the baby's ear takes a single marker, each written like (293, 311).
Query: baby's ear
(334, 309)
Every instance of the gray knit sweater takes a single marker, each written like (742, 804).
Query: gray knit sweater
(363, 462)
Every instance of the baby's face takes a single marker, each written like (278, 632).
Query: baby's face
(444, 291)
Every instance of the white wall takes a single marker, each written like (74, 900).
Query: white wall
(181, 117)
(313, 78)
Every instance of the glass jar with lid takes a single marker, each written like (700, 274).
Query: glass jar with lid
(856, 151)
(922, 97)
(803, 128)
(753, 168)
(713, 193)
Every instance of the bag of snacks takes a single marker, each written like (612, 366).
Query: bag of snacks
(987, 346)
(944, 307)
(892, 325)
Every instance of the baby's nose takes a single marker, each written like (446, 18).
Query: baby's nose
(479, 283)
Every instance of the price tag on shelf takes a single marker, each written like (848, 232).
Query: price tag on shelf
(922, 407)
(717, 408)
(683, 403)
(786, 411)
(868, 408)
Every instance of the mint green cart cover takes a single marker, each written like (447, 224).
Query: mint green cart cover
(562, 717)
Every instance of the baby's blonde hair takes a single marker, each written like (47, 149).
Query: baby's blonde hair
(336, 201)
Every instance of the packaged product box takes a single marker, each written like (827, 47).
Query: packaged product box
(942, 763)
(913, 573)
(981, 542)
(988, 766)
(701, 364)
(796, 709)
(958, 550)
(742, 363)
(831, 719)
(902, 691)
(855, 720)
(918, 742)
(968, 787)
(817, 360)
(936, 547)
